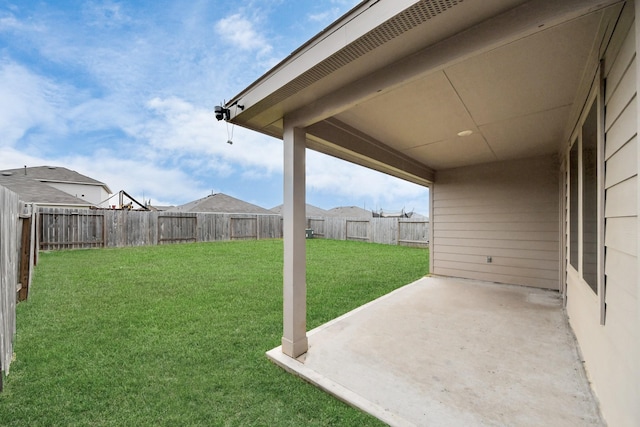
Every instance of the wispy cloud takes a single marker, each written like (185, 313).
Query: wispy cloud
(325, 16)
(184, 129)
(28, 102)
(328, 15)
(105, 14)
(241, 33)
(329, 175)
(9, 22)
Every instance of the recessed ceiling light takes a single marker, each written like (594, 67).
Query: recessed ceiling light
(465, 133)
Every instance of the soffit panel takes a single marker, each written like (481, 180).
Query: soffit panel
(527, 136)
(453, 152)
(422, 112)
(534, 74)
(520, 96)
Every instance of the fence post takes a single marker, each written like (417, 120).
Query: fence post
(25, 257)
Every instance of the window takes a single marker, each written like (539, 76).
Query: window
(574, 157)
(583, 199)
(590, 199)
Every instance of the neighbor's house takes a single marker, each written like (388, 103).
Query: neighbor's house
(522, 119)
(53, 186)
(220, 203)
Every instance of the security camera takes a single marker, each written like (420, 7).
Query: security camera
(222, 113)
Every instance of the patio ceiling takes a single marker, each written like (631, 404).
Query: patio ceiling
(508, 71)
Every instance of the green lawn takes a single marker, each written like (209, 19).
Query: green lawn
(176, 335)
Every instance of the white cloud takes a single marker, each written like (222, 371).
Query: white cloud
(163, 185)
(185, 129)
(331, 14)
(329, 175)
(26, 101)
(239, 31)
(325, 16)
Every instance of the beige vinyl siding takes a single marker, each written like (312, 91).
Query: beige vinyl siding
(505, 210)
(611, 352)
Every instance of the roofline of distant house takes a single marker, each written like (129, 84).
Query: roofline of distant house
(83, 205)
(98, 183)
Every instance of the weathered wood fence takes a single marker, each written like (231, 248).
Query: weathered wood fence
(388, 231)
(17, 249)
(81, 228)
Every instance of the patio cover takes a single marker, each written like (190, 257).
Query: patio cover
(412, 87)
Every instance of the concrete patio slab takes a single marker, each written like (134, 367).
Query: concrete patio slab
(453, 352)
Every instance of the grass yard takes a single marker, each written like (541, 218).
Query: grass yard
(176, 335)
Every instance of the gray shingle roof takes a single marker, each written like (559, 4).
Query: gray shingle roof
(351, 212)
(220, 203)
(310, 210)
(32, 191)
(54, 174)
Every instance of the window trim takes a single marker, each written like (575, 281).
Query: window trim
(601, 191)
(595, 97)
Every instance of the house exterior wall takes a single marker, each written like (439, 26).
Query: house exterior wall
(91, 193)
(507, 211)
(612, 350)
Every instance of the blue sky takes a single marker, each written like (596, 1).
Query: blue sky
(124, 92)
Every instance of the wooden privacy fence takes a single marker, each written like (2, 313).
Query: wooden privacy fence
(17, 251)
(388, 231)
(84, 228)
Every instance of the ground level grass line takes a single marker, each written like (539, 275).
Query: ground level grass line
(175, 335)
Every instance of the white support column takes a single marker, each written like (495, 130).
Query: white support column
(294, 339)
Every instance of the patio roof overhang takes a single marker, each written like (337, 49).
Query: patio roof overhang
(409, 88)
(390, 85)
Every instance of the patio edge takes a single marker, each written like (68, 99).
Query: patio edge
(295, 367)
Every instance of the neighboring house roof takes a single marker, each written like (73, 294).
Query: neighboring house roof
(160, 208)
(220, 203)
(33, 191)
(350, 212)
(310, 210)
(54, 174)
